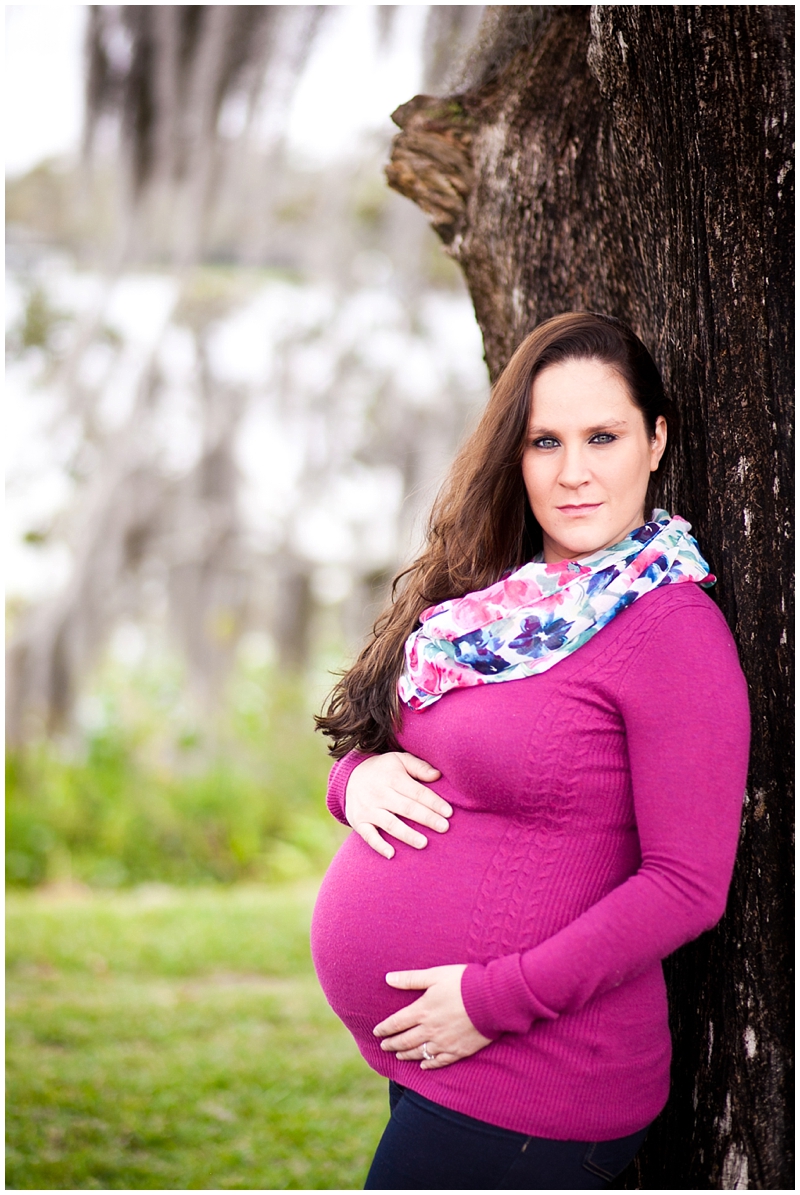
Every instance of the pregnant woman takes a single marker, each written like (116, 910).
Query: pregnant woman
(553, 694)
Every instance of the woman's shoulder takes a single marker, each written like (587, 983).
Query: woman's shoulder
(679, 665)
(684, 602)
(679, 628)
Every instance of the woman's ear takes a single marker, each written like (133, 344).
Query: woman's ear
(659, 443)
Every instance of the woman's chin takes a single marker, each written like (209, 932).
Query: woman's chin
(575, 546)
(576, 541)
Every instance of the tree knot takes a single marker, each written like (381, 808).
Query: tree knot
(431, 160)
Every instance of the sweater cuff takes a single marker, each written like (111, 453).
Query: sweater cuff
(498, 1000)
(341, 772)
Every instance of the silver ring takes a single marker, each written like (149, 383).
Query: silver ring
(427, 1056)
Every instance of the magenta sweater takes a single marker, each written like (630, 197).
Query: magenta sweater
(596, 816)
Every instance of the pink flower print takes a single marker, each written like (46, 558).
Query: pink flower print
(427, 676)
(566, 571)
(472, 611)
(551, 602)
(412, 654)
(521, 592)
(646, 557)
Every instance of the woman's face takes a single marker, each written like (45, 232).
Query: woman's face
(588, 458)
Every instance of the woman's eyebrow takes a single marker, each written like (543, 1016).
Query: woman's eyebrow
(601, 427)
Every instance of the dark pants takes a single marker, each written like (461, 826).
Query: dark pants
(428, 1147)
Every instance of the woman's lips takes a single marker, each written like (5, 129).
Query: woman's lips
(575, 512)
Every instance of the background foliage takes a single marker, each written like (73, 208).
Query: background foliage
(148, 794)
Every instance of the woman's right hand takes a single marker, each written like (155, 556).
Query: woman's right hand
(385, 788)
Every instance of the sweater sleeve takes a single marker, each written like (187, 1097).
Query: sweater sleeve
(683, 700)
(340, 773)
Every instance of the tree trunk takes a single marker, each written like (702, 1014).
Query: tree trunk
(636, 160)
(293, 614)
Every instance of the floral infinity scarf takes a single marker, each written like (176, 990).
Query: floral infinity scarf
(537, 615)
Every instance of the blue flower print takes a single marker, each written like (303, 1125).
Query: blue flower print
(599, 580)
(473, 651)
(537, 637)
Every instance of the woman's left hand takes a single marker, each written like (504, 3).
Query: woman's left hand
(438, 1020)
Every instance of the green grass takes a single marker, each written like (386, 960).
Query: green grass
(177, 1039)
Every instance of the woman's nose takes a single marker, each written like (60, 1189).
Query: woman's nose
(574, 468)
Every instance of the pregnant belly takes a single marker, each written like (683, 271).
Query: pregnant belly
(415, 910)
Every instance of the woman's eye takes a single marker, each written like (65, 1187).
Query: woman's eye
(545, 442)
(602, 438)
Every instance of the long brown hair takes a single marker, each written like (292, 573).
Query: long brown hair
(481, 525)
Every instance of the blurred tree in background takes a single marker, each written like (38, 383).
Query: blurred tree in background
(297, 360)
(239, 375)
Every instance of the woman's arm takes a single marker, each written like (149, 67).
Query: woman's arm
(684, 704)
(373, 792)
(338, 779)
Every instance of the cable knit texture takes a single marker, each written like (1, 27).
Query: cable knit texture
(596, 816)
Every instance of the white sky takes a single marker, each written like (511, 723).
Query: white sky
(349, 85)
(43, 82)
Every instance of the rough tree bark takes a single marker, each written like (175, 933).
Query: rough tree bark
(637, 160)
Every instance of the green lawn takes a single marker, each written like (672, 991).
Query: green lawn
(176, 1038)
